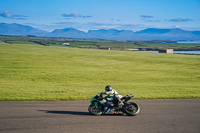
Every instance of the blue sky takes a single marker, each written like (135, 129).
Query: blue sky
(87, 15)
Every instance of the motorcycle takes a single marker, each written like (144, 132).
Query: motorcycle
(98, 103)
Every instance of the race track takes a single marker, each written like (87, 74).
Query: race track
(156, 116)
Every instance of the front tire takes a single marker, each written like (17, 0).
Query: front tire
(131, 109)
(95, 110)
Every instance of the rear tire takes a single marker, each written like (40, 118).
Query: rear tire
(95, 110)
(131, 109)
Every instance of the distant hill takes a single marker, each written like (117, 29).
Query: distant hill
(169, 34)
(113, 34)
(147, 34)
(68, 32)
(153, 31)
(22, 30)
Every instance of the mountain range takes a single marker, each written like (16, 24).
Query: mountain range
(112, 34)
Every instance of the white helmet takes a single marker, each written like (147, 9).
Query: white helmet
(108, 88)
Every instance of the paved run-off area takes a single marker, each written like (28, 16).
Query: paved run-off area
(156, 116)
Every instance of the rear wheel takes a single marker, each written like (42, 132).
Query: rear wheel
(95, 110)
(132, 109)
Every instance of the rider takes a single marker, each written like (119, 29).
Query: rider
(109, 91)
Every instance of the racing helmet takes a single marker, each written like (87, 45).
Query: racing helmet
(108, 88)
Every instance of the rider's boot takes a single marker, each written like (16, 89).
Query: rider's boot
(120, 103)
(105, 110)
(109, 111)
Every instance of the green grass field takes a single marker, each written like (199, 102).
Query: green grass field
(36, 72)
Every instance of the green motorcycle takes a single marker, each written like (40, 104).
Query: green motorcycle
(98, 103)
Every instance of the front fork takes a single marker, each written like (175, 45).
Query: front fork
(96, 104)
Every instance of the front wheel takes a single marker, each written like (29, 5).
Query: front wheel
(95, 110)
(131, 109)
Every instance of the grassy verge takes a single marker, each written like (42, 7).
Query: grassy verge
(36, 72)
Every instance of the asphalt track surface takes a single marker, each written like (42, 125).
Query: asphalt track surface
(156, 116)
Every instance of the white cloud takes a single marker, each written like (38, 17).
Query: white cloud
(9, 15)
(180, 20)
(75, 15)
(146, 16)
(96, 26)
